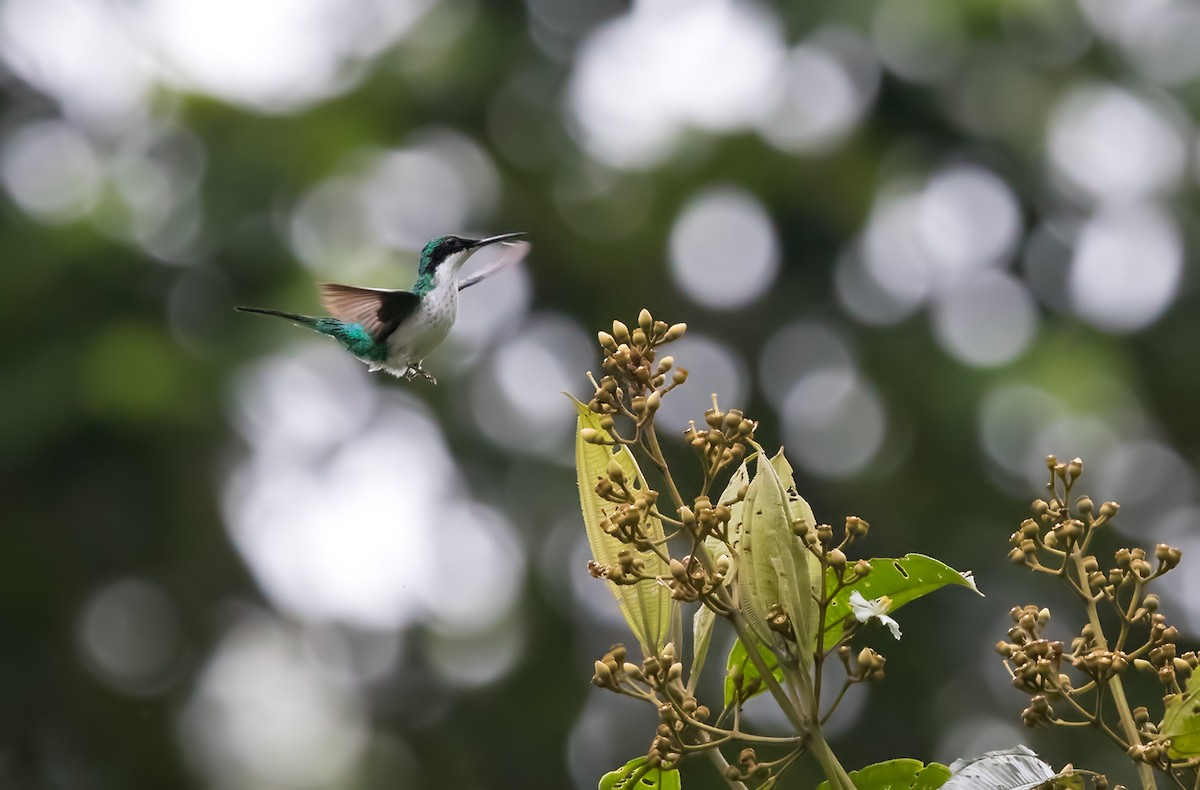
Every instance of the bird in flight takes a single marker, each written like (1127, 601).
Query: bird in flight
(396, 330)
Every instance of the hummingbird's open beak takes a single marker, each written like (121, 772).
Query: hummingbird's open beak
(495, 239)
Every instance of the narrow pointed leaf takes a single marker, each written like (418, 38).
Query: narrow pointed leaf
(702, 628)
(774, 565)
(740, 659)
(634, 775)
(902, 579)
(647, 605)
(715, 546)
(900, 774)
(1181, 721)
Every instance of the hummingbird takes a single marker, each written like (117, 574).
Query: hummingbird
(395, 330)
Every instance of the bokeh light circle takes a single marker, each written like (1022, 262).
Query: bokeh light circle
(1127, 268)
(131, 636)
(986, 319)
(834, 423)
(724, 251)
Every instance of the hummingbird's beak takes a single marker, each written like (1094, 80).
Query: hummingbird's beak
(496, 239)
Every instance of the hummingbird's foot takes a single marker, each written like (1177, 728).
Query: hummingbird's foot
(415, 369)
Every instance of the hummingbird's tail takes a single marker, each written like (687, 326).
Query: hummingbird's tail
(302, 320)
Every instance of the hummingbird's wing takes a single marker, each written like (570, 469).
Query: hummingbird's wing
(508, 254)
(379, 311)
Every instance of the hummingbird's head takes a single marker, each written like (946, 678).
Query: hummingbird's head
(453, 251)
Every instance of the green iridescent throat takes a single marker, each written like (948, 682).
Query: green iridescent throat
(424, 283)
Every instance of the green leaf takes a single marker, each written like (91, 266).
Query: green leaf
(1181, 721)
(899, 774)
(774, 568)
(702, 628)
(902, 579)
(740, 659)
(716, 547)
(647, 605)
(634, 775)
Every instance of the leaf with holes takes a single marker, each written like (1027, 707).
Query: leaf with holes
(774, 568)
(1181, 721)
(900, 774)
(635, 775)
(902, 579)
(741, 660)
(647, 605)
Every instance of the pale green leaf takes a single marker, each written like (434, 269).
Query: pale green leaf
(738, 657)
(1181, 721)
(900, 774)
(647, 605)
(702, 629)
(902, 579)
(634, 775)
(775, 567)
(716, 547)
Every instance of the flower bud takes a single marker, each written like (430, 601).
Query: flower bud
(603, 677)
(1109, 509)
(607, 341)
(675, 332)
(646, 322)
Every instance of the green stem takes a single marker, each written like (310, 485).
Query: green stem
(1124, 714)
(834, 772)
(721, 764)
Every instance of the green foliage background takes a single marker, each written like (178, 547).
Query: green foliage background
(115, 426)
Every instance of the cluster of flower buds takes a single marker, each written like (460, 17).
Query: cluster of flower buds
(1172, 667)
(724, 441)
(744, 687)
(630, 569)
(690, 581)
(779, 622)
(1039, 713)
(1152, 753)
(678, 710)
(633, 384)
(703, 518)
(613, 668)
(1054, 525)
(748, 767)
(634, 505)
(1034, 662)
(868, 665)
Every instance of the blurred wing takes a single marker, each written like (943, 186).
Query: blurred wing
(379, 311)
(510, 253)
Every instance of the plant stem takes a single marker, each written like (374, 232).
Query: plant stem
(721, 764)
(656, 455)
(834, 772)
(1128, 726)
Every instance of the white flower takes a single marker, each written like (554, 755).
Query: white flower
(864, 610)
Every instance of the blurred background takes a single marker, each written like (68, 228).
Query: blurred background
(924, 242)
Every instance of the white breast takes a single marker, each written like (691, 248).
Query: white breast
(427, 328)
